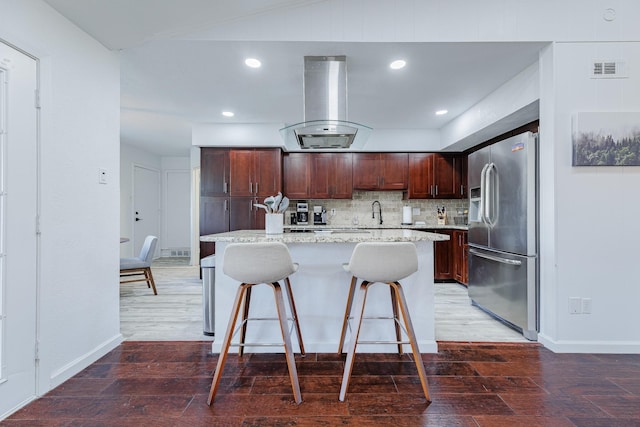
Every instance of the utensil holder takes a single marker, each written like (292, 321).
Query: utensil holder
(274, 223)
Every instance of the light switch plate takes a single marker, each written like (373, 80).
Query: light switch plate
(102, 176)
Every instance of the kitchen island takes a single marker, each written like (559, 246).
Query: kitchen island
(320, 288)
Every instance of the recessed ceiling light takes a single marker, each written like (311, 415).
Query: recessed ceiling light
(441, 112)
(397, 64)
(252, 62)
(228, 113)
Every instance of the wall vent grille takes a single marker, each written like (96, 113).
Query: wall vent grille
(608, 69)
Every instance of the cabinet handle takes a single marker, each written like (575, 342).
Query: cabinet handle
(226, 205)
(224, 187)
(256, 188)
(436, 189)
(250, 187)
(462, 190)
(431, 190)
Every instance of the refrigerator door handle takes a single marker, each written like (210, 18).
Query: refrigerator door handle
(495, 258)
(483, 193)
(490, 204)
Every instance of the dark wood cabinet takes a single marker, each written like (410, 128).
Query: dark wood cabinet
(296, 174)
(462, 184)
(443, 257)
(214, 172)
(437, 176)
(244, 215)
(214, 218)
(461, 256)
(255, 172)
(331, 176)
(318, 175)
(380, 171)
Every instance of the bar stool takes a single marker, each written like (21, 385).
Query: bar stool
(380, 262)
(253, 264)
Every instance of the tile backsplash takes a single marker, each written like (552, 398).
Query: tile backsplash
(358, 210)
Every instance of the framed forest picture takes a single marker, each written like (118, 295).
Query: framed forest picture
(606, 139)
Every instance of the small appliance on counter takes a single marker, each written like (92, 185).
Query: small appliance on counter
(319, 215)
(302, 213)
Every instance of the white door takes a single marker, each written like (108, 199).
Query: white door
(146, 206)
(18, 209)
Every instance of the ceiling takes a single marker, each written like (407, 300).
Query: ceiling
(171, 79)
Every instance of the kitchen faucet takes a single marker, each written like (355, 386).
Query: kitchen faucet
(373, 212)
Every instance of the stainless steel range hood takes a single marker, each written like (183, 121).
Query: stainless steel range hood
(325, 124)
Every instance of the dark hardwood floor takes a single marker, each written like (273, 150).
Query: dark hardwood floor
(166, 384)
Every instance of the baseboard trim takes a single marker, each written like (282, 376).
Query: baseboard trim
(603, 347)
(77, 365)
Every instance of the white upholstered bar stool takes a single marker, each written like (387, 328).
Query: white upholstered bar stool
(253, 264)
(380, 262)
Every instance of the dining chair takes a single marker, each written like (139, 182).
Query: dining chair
(140, 265)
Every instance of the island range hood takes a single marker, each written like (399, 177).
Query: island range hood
(325, 124)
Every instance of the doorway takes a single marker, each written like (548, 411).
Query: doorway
(18, 239)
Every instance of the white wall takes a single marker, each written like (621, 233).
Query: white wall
(78, 265)
(596, 210)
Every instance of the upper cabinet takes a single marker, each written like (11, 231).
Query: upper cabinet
(437, 176)
(255, 172)
(318, 175)
(331, 176)
(214, 176)
(296, 170)
(380, 171)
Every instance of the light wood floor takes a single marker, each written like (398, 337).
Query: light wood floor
(175, 314)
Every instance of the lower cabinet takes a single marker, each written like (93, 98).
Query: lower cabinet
(461, 257)
(443, 257)
(450, 257)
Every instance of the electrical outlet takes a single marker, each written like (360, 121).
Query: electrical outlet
(586, 305)
(415, 211)
(575, 305)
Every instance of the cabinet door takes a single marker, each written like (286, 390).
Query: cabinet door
(214, 218)
(241, 213)
(460, 256)
(342, 176)
(443, 257)
(394, 171)
(267, 172)
(322, 165)
(241, 179)
(461, 184)
(296, 175)
(420, 173)
(366, 171)
(214, 172)
(445, 177)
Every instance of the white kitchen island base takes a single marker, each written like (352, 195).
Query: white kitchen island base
(320, 288)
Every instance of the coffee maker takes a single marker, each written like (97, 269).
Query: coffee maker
(319, 216)
(302, 213)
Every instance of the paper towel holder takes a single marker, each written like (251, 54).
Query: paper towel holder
(407, 214)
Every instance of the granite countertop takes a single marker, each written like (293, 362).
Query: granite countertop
(425, 226)
(328, 235)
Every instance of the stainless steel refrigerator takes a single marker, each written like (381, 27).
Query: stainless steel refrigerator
(503, 232)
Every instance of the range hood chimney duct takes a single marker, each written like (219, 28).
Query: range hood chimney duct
(325, 124)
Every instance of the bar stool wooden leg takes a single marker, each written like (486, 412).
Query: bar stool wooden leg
(294, 314)
(396, 319)
(226, 342)
(284, 327)
(245, 316)
(412, 338)
(347, 313)
(351, 350)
